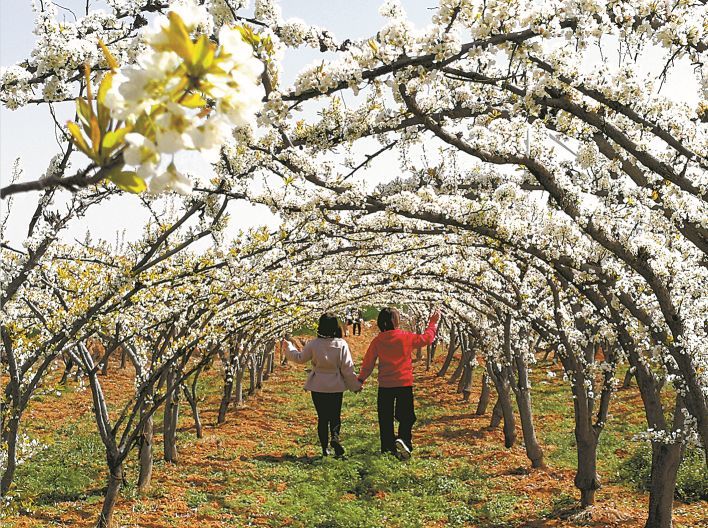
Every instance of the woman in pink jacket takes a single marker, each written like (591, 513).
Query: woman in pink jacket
(393, 348)
(332, 373)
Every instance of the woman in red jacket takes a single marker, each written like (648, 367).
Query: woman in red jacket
(394, 348)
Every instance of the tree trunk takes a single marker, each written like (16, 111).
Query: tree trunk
(450, 352)
(501, 383)
(586, 478)
(192, 400)
(9, 437)
(115, 480)
(225, 400)
(171, 415)
(239, 387)
(268, 366)
(465, 386)
(252, 376)
(484, 396)
(464, 358)
(627, 383)
(665, 462)
(123, 358)
(104, 362)
(509, 420)
(259, 374)
(496, 415)
(67, 370)
(523, 402)
(145, 441)
(533, 450)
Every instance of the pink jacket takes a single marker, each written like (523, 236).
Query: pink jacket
(394, 349)
(332, 365)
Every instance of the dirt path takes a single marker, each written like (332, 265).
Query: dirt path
(254, 469)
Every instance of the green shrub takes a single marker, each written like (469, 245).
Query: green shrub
(691, 481)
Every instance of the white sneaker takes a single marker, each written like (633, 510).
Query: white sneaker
(402, 449)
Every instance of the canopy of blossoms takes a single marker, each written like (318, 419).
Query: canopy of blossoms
(542, 188)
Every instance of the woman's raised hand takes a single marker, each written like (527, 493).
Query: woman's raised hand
(435, 316)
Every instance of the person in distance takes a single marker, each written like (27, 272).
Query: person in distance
(332, 373)
(393, 348)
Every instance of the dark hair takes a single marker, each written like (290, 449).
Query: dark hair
(388, 319)
(328, 326)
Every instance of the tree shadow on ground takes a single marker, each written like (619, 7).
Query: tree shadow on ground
(273, 459)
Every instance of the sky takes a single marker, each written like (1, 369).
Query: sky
(28, 133)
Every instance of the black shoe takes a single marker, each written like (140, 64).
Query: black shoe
(338, 449)
(325, 452)
(402, 450)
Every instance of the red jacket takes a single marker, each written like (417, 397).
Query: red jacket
(394, 349)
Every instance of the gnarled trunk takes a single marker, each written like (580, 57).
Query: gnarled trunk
(259, 374)
(665, 461)
(239, 387)
(225, 400)
(192, 400)
(145, 442)
(586, 478)
(252, 376)
(523, 402)
(115, 481)
(171, 417)
(9, 437)
(484, 396)
(465, 385)
(501, 383)
(496, 415)
(450, 351)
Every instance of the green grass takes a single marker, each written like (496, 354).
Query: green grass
(367, 489)
(69, 469)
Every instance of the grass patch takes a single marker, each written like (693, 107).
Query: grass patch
(69, 469)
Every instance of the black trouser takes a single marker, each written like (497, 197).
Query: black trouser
(357, 326)
(329, 420)
(395, 402)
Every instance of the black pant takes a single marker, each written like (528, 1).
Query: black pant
(395, 402)
(329, 420)
(357, 326)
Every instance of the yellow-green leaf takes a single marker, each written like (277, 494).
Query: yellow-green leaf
(193, 100)
(203, 53)
(87, 78)
(113, 139)
(128, 181)
(178, 35)
(83, 111)
(110, 59)
(95, 134)
(79, 140)
(104, 113)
